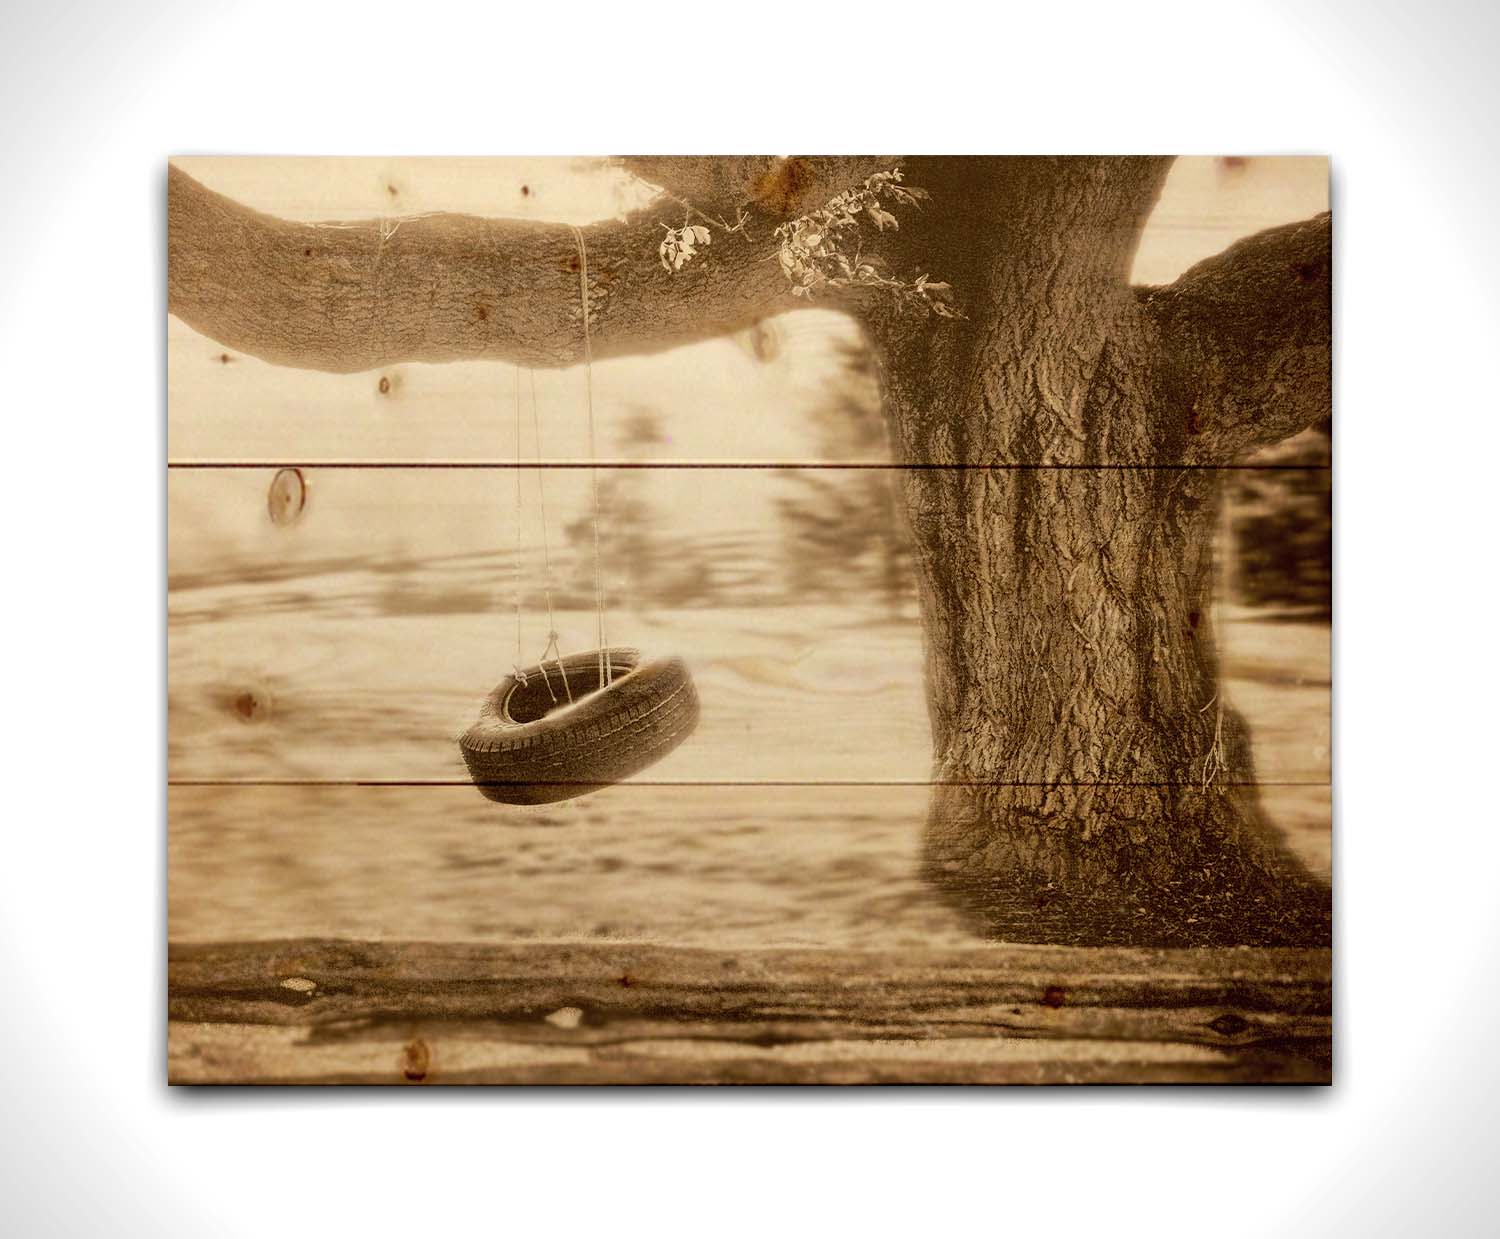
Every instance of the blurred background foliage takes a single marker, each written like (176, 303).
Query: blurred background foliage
(840, 532)
(841, 528)
(1280, 526)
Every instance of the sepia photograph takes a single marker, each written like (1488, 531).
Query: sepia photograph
(568, 691)
(785, 619)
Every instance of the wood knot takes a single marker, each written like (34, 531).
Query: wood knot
(566, 1018)
(287, 496)
(250, 706)
(1054, 996)
(416, 1060)
(1229, 1024)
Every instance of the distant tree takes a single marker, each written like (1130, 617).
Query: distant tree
(1281, 526)
(660, 564)
(842, 533)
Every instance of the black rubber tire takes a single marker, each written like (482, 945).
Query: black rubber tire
(556, 752)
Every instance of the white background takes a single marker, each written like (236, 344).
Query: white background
(96, 95)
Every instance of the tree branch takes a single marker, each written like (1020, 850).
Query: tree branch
(353, 296)
(1250, 333)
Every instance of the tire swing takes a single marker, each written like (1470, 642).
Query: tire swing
(566, 726)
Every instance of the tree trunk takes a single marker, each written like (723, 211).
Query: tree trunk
(1091, 784)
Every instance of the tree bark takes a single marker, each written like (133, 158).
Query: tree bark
(1090, 783)
(1247, 333)
(1064, 440)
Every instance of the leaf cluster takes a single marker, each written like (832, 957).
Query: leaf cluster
(823, 249)
(681, 244)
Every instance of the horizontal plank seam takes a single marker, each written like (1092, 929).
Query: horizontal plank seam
(738, 783)
(740, 464)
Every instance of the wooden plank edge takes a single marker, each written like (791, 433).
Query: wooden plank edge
(335, 1011)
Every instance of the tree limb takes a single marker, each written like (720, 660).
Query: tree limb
(353, 296)
(1250, 333)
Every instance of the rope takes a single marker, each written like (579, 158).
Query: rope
(541, 497)
(515, 567)
(552, 651)
(606, 672)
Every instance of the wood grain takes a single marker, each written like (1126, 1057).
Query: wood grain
(666, 935)
(225, 406)
(751, 910)
(728, 867)
(357, 641)
(361, 1012)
